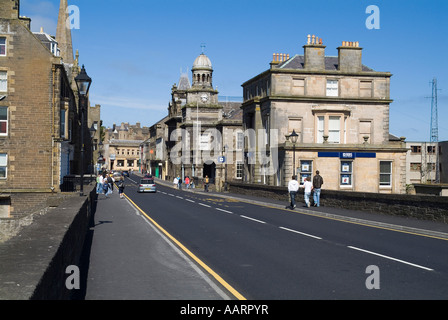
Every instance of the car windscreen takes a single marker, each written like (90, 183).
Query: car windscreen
(147, 181)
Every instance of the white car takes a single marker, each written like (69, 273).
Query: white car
(147, 185)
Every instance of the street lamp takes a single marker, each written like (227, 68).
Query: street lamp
(83, 82)
(294, 136)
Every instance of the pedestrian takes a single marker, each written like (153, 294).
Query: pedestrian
(207, 181)
(105, 184)
(187, 182)
(175, 182)
(192, 183)
(293, 187)
(179, 182)
(318, 181)
(307, 186)
(120, 185)
(99, 184)
(110, 183)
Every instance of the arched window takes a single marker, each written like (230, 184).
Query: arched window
(203, 77)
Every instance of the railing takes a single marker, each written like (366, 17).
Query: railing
(72, 183)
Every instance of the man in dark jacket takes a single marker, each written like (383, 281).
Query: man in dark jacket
(318, 181)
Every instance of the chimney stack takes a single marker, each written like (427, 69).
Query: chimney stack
(314, 54)
(350, 57)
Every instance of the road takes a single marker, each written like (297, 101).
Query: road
(264, 252)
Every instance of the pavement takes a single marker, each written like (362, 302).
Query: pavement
(147, 266)
(127, 258)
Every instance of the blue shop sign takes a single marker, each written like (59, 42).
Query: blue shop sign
(347, 155)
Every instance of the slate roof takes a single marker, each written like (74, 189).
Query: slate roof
(298, 62)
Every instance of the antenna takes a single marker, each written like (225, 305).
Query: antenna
(202, 47)
(434, 134)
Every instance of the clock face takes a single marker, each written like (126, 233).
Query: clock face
(204, 97)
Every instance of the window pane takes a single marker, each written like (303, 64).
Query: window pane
(332, 88)
(320, 129)
(334, 127)
(2, 172)
(2, 46)
(385, 167)
(3, 157)
(3, 81)
(385, 179)
(3, 127)
(3, 113)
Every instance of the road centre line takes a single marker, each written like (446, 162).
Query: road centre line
(179, 197)
(303, 234)
(391, 258)
(192, 201)
(226, 211)
(205, 205)
(245, 217)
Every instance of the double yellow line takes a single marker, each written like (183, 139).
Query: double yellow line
(191, 255)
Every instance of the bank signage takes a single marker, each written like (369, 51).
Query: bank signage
(347, 155)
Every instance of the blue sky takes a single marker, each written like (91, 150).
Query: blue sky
(134, 50)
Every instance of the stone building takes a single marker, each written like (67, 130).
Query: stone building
(202, 131)
(39, 114)
(153, 152)
(121, 146)
(426, 162)
(340, 110)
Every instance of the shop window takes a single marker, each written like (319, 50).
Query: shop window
(306, 170)
(346, 173)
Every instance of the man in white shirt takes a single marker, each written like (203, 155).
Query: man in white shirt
(293, 187)
(308, 187)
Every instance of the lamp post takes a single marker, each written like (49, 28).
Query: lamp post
(93, 148)
(294, 136)
(83, 82)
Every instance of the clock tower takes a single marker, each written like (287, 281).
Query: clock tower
(201, 92)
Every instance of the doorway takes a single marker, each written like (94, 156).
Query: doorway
(210, 171)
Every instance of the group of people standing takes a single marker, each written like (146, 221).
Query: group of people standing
(189, 183)
(308, 186)
(105, 184)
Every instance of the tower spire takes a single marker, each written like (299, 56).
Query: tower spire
(64, 34)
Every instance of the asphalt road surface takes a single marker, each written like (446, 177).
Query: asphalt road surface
(264, 252)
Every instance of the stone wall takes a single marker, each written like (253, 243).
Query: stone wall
(33, 263)
(424, 207)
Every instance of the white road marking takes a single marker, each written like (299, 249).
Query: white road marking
(256, 220)
(303, 234)
(190, 200)
(205, 205)
(179, 197)
(394, 259)
(223, 210)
